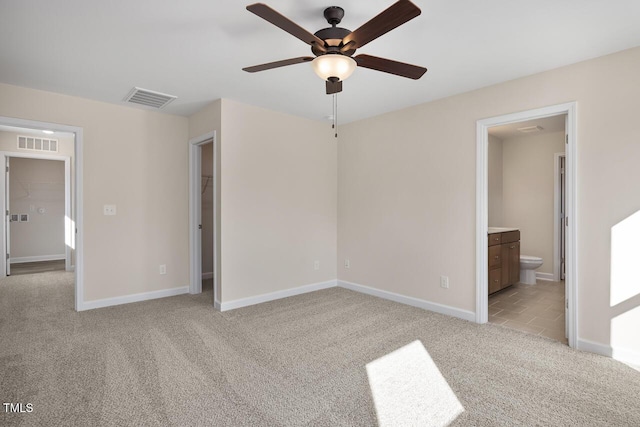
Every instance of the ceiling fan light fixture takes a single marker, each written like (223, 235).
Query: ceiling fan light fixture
(334, 65)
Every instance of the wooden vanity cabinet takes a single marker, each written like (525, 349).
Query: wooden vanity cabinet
(504, 260)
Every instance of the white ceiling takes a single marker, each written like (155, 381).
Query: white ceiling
(34, 132)
(548, 125)
(195, 49)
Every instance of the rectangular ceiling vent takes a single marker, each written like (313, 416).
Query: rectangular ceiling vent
(149, 98)
(530, 129)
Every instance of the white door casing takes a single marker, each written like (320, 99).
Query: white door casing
(571, 247)
(7, 204)
(74, 221)
(195, 215)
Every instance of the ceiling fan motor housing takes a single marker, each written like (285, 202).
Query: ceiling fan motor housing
(333, 15)
(332, 37)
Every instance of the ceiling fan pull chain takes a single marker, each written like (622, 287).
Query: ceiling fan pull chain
(335, 114)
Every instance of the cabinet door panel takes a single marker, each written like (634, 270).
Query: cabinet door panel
(514, 262)
(505, 276)
(494, 280)
(495, 256)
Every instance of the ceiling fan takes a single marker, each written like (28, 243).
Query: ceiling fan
(334, 47)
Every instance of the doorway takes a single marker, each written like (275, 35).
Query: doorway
(13, 147)
(37, 199)
(482, 207)
(206, 215)
(204, 198)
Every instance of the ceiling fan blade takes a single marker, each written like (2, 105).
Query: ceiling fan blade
(270, 15)
(334, 87)
(396, 15)
(392, 67)
(278, 64)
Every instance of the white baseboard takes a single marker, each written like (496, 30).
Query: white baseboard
(245, 302)
(623, 355)
(544, 276)
(594, 347)
(206, 276)
(23, 259)
(415, 302)
(126, 299)
(216, 305)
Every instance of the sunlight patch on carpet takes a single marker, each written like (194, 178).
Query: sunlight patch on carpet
(408, 389)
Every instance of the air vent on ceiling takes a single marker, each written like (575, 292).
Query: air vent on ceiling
(149, 98)
(530, 129)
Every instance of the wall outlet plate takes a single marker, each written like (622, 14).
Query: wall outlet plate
(347, 263)
(316, 265)
(109, 209)
(444, 282)
(163, 269)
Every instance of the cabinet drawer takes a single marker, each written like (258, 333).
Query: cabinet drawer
(511, 236)
(494, 239)
(495, 256)
(494, 280)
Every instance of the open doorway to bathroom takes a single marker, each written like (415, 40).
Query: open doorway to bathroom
(524, 292)
(526, 200)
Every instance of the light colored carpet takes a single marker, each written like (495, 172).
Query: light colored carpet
(294, 362)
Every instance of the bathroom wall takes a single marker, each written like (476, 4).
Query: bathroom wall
(495, 182)
(528, 192)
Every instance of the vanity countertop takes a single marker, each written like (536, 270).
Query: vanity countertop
(492, 230)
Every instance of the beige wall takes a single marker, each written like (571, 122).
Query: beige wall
(494, 182)
(37, 189)
(528, 195)
(278, 185)
(137, 160)
(407, 190)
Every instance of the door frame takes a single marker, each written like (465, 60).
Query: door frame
(571, 249)
(195, 214)
(68, 235)
(75, 221)
(557, 201)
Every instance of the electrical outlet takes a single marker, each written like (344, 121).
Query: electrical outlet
(316, 265)
(109, 209)
(347, 264)
(163, 269)
(444, 282)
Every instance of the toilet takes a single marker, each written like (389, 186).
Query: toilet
(528, 265)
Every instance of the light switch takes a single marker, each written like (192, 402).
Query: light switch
(109, 209)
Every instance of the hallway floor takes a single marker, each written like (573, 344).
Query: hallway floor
(537, 309)
(36, 267)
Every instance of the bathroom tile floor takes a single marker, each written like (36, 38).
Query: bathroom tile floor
(537, 309)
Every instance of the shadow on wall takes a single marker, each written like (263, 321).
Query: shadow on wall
(625, 289)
